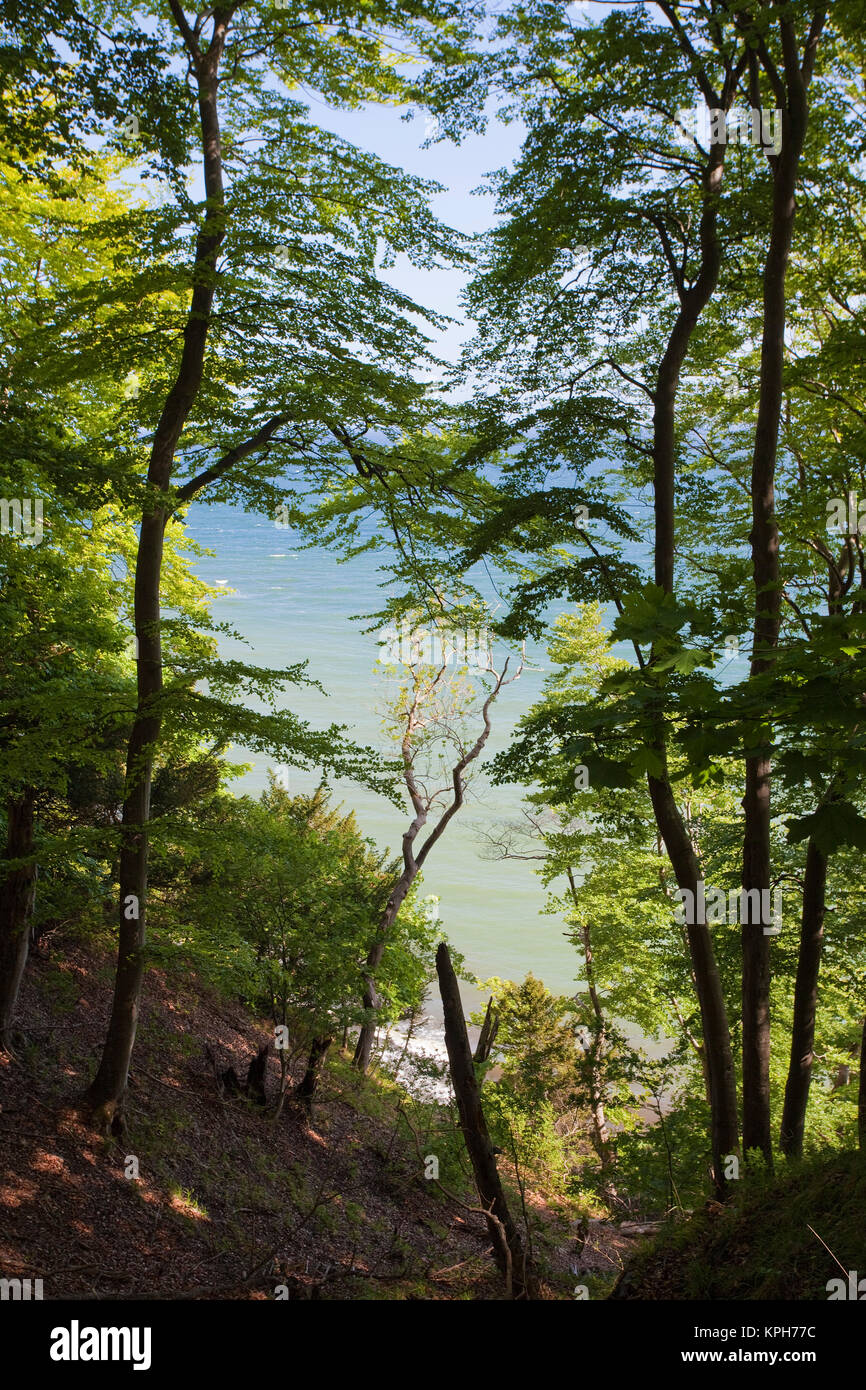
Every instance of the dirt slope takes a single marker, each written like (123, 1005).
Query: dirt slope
(227, 1203)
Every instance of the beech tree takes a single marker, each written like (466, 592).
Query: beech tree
(253, 301)
(70, 463)
(579, 295)
(616, 204)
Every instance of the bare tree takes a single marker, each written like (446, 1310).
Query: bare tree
(432, 712)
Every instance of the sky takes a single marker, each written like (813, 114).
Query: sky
(461, 169)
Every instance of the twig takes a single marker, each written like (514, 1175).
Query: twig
(829, 1251)
(439, 1273)
(167, 1084)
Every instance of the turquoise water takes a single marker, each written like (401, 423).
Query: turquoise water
(293, 605)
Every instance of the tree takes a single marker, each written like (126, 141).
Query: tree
(789, 83)
(513, 1260)
(431, 716)
(68, 663)
(262, 366)
(606, 213)
(667, 203)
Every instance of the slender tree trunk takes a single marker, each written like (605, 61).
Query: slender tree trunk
(507, 1244)
(412, 863)
(861, 1094)
(104, 1097)
(805, 1003)
(671, 826)
(809, 955)
(764, 539)
(367, 1035)
(724, 1136)
(756, 964)
(16, 906)
(600, 1128)
(106, 1091)
(486, 1038)
(597, 1077)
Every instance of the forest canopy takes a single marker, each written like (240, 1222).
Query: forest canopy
(649, 446)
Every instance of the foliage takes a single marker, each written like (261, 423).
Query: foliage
(278, 901)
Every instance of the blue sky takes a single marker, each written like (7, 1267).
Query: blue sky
(459, 168)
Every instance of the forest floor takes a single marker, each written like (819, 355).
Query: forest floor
(227, 1202)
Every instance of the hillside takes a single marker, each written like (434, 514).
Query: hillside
(761, 1245)
(230, 1203)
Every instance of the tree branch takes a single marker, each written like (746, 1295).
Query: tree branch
(222, 466)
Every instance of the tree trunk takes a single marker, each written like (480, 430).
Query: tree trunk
(507, 1244)
(724, 1137)
(487, 1036)
(672, 830)
(370, 999)
(805, 1003)
(412, 863)
(105, 1094)
(601, 1132)
(104, 1097)
(16, 905)
(861, 1094)
(756, 963)
(306, 1087)
(764, 539)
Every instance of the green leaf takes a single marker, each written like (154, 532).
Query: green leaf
(831, 826)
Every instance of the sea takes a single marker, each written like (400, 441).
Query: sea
(292, 604)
